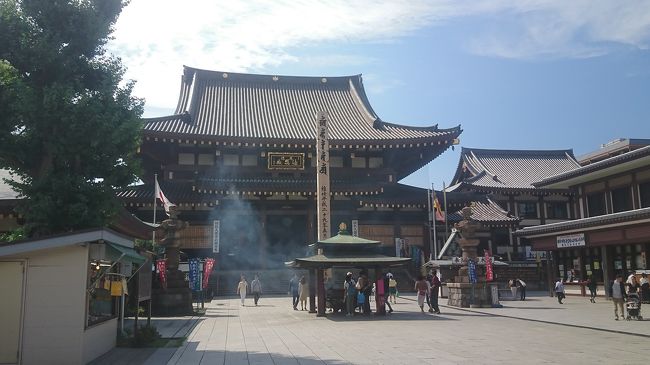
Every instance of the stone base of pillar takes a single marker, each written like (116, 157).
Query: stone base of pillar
(175, 300)
(460, 295)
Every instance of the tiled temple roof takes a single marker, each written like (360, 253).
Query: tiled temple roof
(234, 105)
(616, 161)
(509, 169)
(630, 217)
(487, 212)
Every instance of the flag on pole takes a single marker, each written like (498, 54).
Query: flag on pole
(438, 210)
(160, 195)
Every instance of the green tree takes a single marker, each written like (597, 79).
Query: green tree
(69, 126)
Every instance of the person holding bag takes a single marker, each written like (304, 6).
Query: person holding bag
(422, 289)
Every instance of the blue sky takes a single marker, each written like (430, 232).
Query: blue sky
(521, 74)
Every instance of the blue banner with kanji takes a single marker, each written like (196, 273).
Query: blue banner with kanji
(195, 281)
(471, 268)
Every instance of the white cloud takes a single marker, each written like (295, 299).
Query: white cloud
(156, 37)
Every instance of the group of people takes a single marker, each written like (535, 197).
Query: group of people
(357, 293)
(427, 289)
(518, 286)
(299, 290)
(255, 288)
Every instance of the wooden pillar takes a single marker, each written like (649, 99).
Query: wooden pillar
(321, 293)
(379, 298)
(606, 266)
(263, 247)
(551, 270)
(312, 290)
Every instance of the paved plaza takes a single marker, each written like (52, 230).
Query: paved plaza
(538, 330)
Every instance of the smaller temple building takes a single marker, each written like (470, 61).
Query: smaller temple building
(611, 234)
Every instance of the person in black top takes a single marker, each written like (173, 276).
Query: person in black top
(294, 291)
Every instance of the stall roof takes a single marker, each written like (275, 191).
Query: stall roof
(68, 239)
(128, 252)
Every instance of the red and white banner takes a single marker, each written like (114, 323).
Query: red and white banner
(161, 266)
(207, 269)
(161, 196)
(489, 273)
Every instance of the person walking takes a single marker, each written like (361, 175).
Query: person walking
(632, 285)
(256, 289)
(350, 294)
(617, 290)
(387, 279)
(522, 288)
(364, 287)
(645, 288)
(241, 289)
(593, 286)
(294, 291)
(303, 288)
(435, 289)
(421, 289)
(559, 290)
(392, 288)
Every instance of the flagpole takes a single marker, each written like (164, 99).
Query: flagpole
(153, 236)
(435, 241)
(444, 198)
(431, 219)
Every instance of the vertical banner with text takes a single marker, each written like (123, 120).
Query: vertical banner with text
(355, 228)
(216, 230)
(323, 175)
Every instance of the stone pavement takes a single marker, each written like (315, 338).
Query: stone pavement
(538, 330)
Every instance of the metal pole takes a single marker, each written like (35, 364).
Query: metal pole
(433, 225)
(155, 201)
(122, 309)
(444, 198)
(431, 218)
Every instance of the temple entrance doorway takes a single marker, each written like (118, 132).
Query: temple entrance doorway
(286, 238)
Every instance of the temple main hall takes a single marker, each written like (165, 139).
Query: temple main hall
(237, 157)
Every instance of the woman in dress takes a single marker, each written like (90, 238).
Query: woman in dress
(303, 287)
(241, 289)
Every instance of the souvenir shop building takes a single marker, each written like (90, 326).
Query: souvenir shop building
(611, 234)
(238, 158)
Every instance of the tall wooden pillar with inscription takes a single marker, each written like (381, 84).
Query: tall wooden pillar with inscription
(323, 196)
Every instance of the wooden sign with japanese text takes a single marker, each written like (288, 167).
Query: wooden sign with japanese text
(286, 161)
(323, 175)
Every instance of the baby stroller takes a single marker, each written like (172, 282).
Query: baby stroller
(633, 306)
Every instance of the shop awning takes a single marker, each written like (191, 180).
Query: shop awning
(129, 253)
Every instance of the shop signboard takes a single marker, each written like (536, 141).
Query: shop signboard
(355, 227)
(571, 240)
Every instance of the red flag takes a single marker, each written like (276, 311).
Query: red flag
(436, 207)
(207, 269)
(489, 274)
(160, 195)
(161, 266)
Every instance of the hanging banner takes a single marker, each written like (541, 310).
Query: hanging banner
(398, 247)
(471, 268)
(207, 270)
(323, 175)
(216, 232)
(195, 283)
(355, 228)
(161, 266)
(489, 274)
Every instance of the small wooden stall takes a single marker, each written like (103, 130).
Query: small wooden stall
(345, 251)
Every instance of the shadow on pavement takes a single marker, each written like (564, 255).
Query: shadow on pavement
(191, 355)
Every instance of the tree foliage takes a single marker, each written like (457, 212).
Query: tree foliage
(69, 126)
